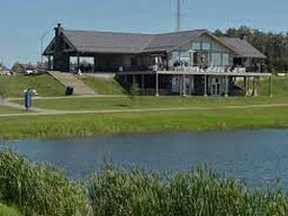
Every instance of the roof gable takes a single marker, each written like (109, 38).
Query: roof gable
(170, 41)
(243, 48)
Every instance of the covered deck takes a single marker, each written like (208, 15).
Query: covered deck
(250, 79)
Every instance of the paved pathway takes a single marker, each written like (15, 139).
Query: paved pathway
(72, 96)
(7, 103)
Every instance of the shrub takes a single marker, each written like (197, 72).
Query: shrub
(133, 91)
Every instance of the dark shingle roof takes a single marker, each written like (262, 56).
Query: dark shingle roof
(107, 42)
(112, 42)
(243, 48)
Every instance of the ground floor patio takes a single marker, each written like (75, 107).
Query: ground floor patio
(195, 83)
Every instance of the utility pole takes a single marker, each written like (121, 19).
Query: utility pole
(178, 15)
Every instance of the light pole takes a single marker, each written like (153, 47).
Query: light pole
(2, 63)
(42, 42)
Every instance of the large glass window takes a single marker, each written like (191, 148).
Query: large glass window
(225, 59)
(215, 53)
(216, 59)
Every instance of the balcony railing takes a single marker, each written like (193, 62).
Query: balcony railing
(202, 69)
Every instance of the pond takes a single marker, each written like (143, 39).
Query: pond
(259, 157)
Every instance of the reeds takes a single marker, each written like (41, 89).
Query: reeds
(199, 192)
(42, 190)
(38, 189)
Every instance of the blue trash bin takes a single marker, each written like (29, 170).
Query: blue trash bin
(28, 99)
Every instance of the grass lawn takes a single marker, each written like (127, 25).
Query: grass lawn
(13, 86)
(8, 211)
(149, 102)
(103, 86)
(98, 103)
(144, 122)
(98, 124)
(6, 110)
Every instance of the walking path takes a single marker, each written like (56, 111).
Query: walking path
(7, 103)
(43, 112)
(72, 96)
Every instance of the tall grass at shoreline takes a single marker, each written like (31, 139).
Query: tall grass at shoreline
(41, 190)
(38, 189)
(199, 192)
(8, 211)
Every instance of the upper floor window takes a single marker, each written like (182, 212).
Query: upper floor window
(205, 46)
(196, 46)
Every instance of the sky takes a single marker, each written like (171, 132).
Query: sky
(24, 22)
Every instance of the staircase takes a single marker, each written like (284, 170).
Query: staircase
(70, 79)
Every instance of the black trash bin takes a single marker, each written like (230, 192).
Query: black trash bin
(69, 90)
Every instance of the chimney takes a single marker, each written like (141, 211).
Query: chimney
(242, 36)
(58, 30)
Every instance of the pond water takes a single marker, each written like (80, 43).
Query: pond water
(259, 157)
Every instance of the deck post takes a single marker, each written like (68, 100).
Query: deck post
(183, 86)
(270, 87)
(157, 85)
(180, 85)
(78, 63)
(246, 86)
(190, 85)
(142, 83)
(254, 87)
(205, 85)
(133, 80)
(95, 63)
(226, 86)
(248, 81)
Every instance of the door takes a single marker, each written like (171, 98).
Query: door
(215, 86)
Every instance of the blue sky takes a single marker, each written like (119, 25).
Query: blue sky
(24, 22)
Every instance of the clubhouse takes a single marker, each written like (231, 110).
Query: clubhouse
(194, 62)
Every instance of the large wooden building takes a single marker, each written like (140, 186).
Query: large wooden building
(189, 63)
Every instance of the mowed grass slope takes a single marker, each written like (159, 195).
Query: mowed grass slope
(280, 86)
(103, 86)
(13, 86)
